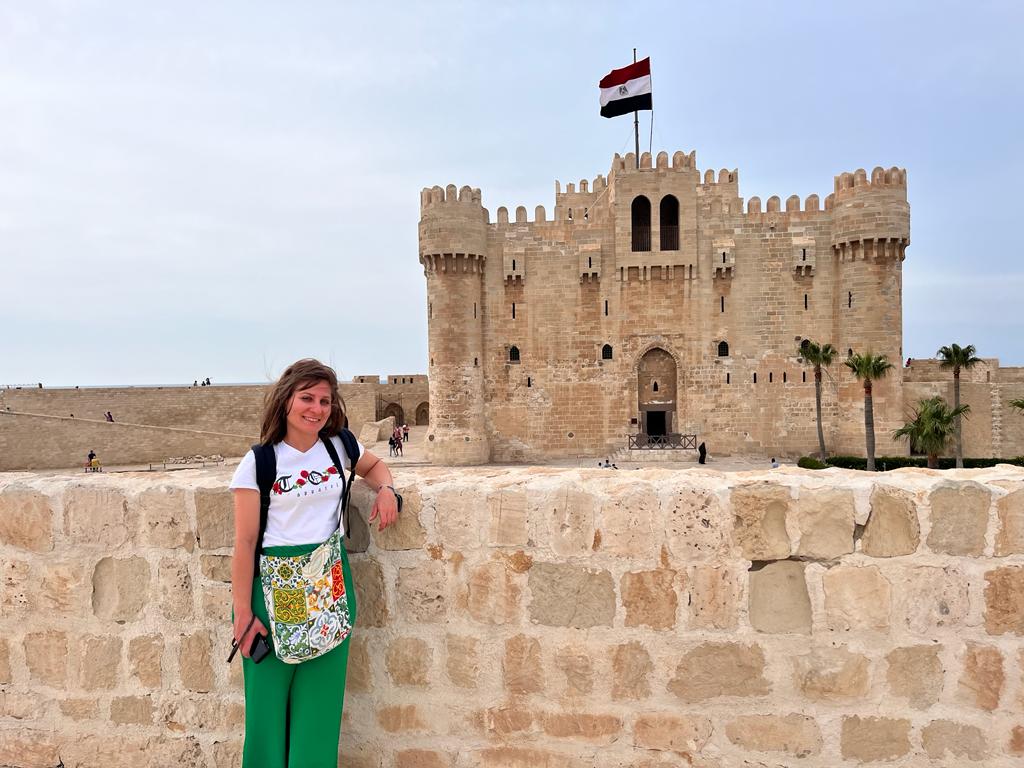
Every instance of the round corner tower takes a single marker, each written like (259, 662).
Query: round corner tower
(453, 240)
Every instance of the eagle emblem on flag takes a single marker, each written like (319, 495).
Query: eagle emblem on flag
(627, 89)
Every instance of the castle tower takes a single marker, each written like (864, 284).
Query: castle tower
(453, 240)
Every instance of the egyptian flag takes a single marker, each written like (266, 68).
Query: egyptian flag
(627, 89)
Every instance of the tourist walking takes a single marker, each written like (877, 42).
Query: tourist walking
(405, 433)
(292, 709)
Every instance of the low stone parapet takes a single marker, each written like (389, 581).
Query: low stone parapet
(543, 617)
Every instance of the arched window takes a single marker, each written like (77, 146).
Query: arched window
(805, 344)
(606, 352)
(723, 349)
(655, 387)
(513, 354)
(641, 212)
(669, 210)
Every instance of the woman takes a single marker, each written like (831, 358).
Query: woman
(293, 711)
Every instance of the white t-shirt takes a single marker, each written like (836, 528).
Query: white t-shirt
(306, 493)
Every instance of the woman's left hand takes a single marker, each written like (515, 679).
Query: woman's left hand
(385, 508)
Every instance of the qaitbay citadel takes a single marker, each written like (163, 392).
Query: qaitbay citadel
(655, 301)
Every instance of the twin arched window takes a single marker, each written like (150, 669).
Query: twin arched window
(640, 215)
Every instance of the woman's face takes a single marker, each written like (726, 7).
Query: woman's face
(309, 408)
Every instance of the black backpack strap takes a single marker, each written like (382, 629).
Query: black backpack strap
(348, 442)
(266, 470)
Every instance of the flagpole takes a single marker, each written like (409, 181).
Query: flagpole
(636, 125)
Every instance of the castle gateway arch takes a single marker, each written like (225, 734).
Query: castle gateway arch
(656, 392)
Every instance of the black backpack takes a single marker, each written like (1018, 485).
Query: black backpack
(266, 476)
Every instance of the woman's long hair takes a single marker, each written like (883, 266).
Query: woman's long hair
(299, 375)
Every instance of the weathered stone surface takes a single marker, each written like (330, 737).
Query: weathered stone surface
(564, 595)
(145, 659)
(457, 517)
(581, 726)
(759, 521)
(137, 710)
(407, 532)
(408, 660)
(915, 674)
(893, 527)
(120, 588)
(216, 567)
(371, 598)
(831, 674)
(797, 735)
(931, 598)
(1016, 745)
(959, 518)
(503, 721)
(95, 516)
(869, 739)
(720, 669)
(942, 737)
(215, 518)
(670, 733)
(359, 678)
(99, 662)
(463, 662)
(174, 589)
(714, 596)
(30, 748)
(627, 522)
(825, 518)
(649, 598)
(521, 667)
(694, 525)
(422, 758)
(981, 683)
(631, 671)
(400, 719)
(1010, 534)
(188, 714)
(779, 601)
(1004, 601)
(46, 655)
(5, 661)
(421, 592)
(857, 598)
(576, 664)
(17, 586)
(215, 602)
(570, 514)
(509, 519)
(493, 594)
(80, 709)
(522, 757)
(26, 520)
(18, 705)
(195, 663)
(64, 587)
(162, 520)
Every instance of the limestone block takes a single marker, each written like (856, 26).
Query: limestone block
(931, 598)
(915, 673)
(457, 518)
(1004, 601)
(136, 710)
(215, 601)
(174, 589)
(1010, 535)
(371, 598)
(868, 739)
(401, 718)
(959, 516)
(46, 656)
(831, 674)
(21, 705)
(982, 679)
(631, 672)
(627, 523)
(30, 748)
(825, 518)
(649, 598)
(63, 588)
(5, 661)
(779, 601)
(195, 662)
(215, 518)
(940, 737)
(216, 567)
(720, 669)
(95, 516)
(359, 678)
(503, 721)
(570, 515)
(582, 726)
(162, 517)
(145, 659)
(521, 668)
(463, 661)
(893, 527)
(759, 521)
(407, 661)
(422, 758)
(563, 595)
(523, 757)
(188, 714)
(493, 594)
(26, 520)
(797, 735)
(407, 532)
(857, 598)
(670, 733)
(227, 752)
(509, 519)
(17, 584)
(120, 588)
(695, 525)
(1016, 745)
(714, 596)
(574, 661)
(80, 709)
(99, 661)
(421, 592)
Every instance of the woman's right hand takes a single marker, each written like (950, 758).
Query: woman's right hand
(241, 622)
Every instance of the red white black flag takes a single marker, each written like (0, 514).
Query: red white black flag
(627, 89)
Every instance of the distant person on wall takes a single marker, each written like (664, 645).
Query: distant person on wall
(293, 710)
(90, 457)
(405, 433)
(208, 382)
(109, 417)
(391, 446)
(195, 382)
(702, 454)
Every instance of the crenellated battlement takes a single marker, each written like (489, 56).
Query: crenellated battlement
(811, 204)
(434, 196)
(894, 177)
(681, 161)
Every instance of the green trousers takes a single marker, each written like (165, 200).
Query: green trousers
(293, 711)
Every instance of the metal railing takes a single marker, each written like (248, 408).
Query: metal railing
(669, 237)
(673, 441)
(641, 237)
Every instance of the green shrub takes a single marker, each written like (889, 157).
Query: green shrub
(887, 463)
(807, 462)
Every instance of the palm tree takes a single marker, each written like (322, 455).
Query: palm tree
(818, 356)
(1018, 404)
(958, 358)
(869, 368)
(932, 426)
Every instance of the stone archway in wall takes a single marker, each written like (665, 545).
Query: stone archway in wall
(394, 409)
(422, 414)
(657, 387)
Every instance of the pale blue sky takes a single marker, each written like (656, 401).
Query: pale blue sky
(199, 189)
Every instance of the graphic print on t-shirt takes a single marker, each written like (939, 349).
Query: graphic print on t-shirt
(311, 478)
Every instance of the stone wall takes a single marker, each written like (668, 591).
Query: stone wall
(540, 617)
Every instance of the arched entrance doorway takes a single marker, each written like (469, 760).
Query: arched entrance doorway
(423, 414)
(394, 409)
(656, 392)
